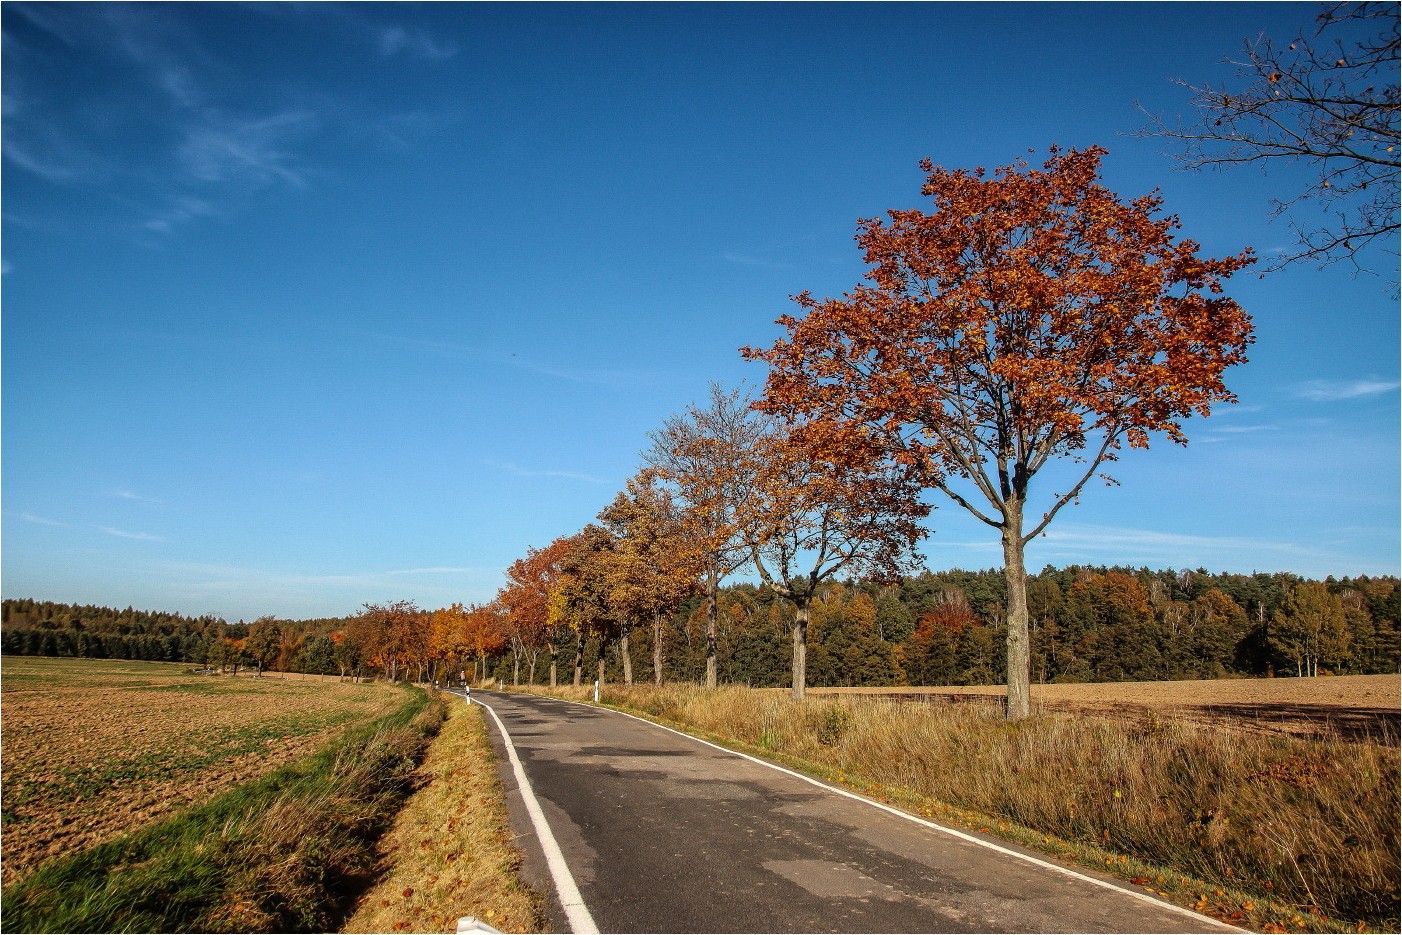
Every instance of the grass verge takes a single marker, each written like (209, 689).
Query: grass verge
(283, 853)
(450, 852)
(1269, 832)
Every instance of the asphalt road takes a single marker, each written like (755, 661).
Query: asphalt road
(664, 833)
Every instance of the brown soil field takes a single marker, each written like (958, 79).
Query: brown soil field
(95, 748)
(1351, 706)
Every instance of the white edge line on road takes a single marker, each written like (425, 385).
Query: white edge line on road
(1144, 897)
(580, 919)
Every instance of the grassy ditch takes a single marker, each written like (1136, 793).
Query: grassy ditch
(1271, 832)
(284, 853)
(450, 853)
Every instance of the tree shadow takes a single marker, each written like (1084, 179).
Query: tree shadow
(1311, 721)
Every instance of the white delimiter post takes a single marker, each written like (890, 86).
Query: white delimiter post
(596, 691)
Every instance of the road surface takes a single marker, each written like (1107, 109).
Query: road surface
(664, 833)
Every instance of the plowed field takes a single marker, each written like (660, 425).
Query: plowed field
(95, 748)
(1352, 706)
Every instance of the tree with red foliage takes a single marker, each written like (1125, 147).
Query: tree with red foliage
(1031, 316)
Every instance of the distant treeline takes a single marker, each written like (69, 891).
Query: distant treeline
(44, 628)
(937, 628)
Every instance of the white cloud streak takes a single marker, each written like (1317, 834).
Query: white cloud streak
(132, 495)
(1122, 544)
(40, 520)
(1328, 391)
(530, 472)
(124, 534)
(220, 149)
(397, 40)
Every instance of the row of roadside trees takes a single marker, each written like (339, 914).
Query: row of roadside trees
(1032, 316)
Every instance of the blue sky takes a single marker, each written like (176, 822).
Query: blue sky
(311, 305)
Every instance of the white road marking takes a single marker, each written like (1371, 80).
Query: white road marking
(581, 921)
(1143, 897)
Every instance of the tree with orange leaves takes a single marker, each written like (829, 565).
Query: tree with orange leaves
(485, 633)
(653, 566)
(703, 455)
(449, 636)
(1031, 316)
(816, 508)
(581, 598)
(526, 600)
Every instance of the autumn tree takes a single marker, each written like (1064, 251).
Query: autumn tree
(485, 633)
(526, 600)
(652, 567)
(449, 635)
(264, 641)
(1031, 316)
(580, 598)
(393, 636)
(815, 510)
(1327, 100)
(699, 453)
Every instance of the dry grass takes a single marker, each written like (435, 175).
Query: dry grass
(450, 852)
(1309, 827)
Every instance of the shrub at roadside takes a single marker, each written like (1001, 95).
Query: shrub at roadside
(284, 853)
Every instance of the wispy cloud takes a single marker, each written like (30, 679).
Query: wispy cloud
(182, 210)
(1243, 429)
(533, 472)
(39, 520)
(1326, 391)
(219, 148)
(132, 495)
(436, 570)
(1116, 543)
(50, 154)
(288, 592)
(124, 534)
(396, 40)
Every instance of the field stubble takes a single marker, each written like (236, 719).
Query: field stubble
(1283, 833)
(94, 749)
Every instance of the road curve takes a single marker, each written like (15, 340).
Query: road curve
(665, 833)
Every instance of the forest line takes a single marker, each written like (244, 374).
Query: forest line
(935, 628)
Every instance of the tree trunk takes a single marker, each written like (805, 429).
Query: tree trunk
(800, 651)
(579, 663)
(1019, 660)
(712, 600)
(602, 648)
(657, 648)
(627, 660)
(552, 665)
(515, 664)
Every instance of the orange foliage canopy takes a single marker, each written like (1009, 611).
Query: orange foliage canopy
(1031, 314)
(526, 596)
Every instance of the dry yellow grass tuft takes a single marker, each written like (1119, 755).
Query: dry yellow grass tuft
(450, 852)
